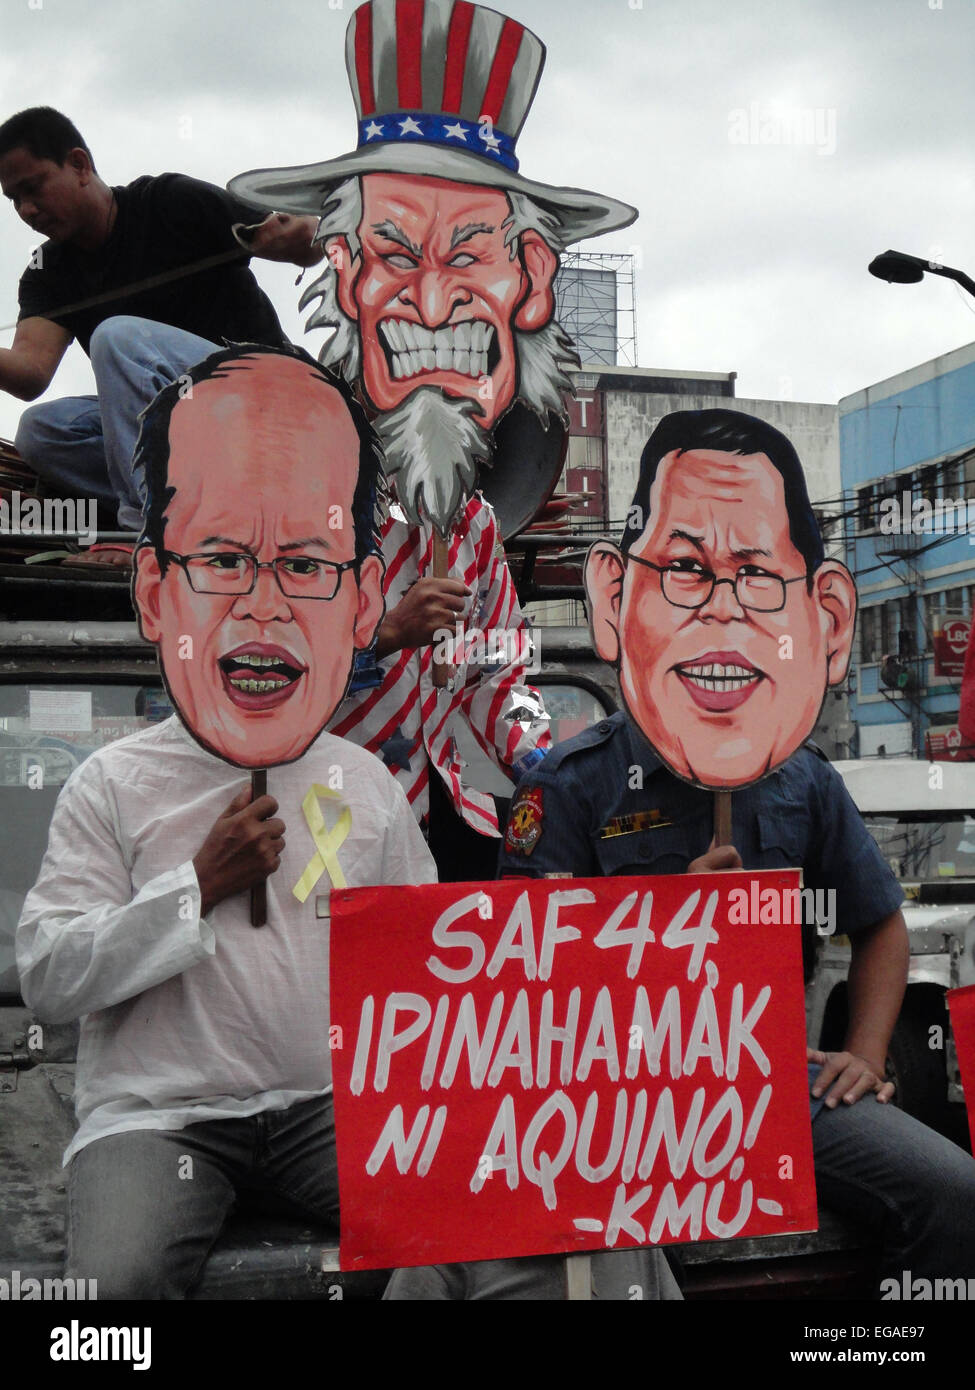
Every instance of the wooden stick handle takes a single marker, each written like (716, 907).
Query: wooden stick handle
(578, 1277)
(442, 670)
(722, 818)
(259, 890)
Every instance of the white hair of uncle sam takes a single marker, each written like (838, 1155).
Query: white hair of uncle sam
(433, 446)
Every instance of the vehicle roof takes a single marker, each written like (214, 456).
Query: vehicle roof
(896, 785)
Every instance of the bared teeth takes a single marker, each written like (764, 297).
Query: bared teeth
(257, 662)
(254, 673)
(718, 684)
(716, 671)
(461, 348)
(257, 687)
(714, 676)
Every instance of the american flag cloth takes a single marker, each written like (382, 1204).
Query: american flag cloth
(410, 724)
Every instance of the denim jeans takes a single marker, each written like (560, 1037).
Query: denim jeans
(83, 445)
(145, 1206)
(910, 1187)
(630, 1275)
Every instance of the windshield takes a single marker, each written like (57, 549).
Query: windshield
(919, 848)
(46, 731)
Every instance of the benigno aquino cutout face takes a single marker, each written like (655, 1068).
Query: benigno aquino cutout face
(721, 615)
(256, 575)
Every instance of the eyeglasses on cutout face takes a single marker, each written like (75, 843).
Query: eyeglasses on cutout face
(754, 588)
(234, 573)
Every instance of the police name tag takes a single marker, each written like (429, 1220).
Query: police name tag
(629, 825)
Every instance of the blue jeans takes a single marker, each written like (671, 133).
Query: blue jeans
(616, 1275)
(83, 445)
(910, 1187)
(145, 1206)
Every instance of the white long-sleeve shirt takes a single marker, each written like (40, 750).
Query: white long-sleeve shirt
(187, 1018)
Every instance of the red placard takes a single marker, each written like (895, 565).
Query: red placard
(548, 1065)
(961, 1002)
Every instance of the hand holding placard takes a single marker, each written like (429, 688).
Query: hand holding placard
(243, 847)
(540, 1066)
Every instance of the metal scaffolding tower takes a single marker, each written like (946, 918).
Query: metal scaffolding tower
(595, 301)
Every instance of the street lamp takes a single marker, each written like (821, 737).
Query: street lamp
(898, 268)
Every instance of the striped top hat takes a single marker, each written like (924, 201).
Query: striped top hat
(441, 89)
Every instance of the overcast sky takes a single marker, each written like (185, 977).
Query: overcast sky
(752, 253)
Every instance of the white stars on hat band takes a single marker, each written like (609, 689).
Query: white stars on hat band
(450, 131)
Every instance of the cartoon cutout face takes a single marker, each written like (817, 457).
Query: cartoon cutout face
(256, 577)
(720, 613)
(436, 293)
(441, 255)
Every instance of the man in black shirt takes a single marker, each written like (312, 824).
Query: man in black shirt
(149, 278)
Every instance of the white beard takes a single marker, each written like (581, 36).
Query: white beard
(433, 448)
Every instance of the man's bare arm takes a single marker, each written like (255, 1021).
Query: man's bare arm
(875, 986)
(27, 367)
(282, 237)
(875, 989)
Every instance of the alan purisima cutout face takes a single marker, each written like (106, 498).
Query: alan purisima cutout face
(726, 691)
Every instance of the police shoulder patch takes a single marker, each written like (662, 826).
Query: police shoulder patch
(525, 821)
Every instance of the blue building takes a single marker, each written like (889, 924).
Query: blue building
(907, 462)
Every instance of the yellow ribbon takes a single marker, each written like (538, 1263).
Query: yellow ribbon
(327, 842)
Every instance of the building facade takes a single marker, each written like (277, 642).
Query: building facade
(907, 455)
